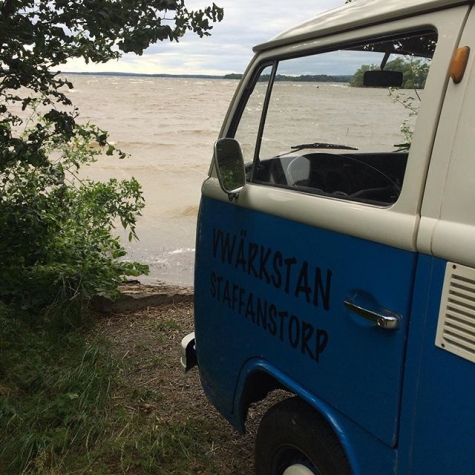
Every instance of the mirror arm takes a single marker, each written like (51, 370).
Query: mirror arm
(385, 60)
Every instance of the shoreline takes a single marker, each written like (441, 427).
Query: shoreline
(135, 295)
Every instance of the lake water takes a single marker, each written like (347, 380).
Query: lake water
(169, 126)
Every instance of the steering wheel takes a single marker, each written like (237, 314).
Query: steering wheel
(328, 175)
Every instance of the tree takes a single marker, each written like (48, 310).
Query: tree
(357, 78)
(414, 71)
(56, 229)
(38, 36)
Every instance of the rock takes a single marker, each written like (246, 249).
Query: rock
(134, 296)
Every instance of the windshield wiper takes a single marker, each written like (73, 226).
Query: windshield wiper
(296, 148)
(402, 146)
(301, 146)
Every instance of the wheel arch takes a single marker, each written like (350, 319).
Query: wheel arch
(258, 378)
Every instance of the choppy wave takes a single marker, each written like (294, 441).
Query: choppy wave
(182, 251)
(175, 266)
(191, 210)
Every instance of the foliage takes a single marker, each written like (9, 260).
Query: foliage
(414, 71)
(411, 104)
(57, 241)
(37, 37)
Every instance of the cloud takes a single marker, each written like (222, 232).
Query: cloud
(228, 50)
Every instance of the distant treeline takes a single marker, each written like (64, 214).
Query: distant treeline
(302, 78)
(148, 75)
(265, 77)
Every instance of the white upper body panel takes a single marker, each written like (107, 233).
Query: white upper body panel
(358, 14)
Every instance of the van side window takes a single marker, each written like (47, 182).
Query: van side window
(339, 124)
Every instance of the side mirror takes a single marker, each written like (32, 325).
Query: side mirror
(383, 79)
(229, 164)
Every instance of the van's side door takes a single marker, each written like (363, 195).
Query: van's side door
(311, 269)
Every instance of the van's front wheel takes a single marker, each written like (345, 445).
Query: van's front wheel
(294, 439)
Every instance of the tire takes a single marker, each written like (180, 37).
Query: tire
(294, 439)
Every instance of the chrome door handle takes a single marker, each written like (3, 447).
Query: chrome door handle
(379, 316)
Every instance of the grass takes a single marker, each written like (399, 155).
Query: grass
(64, 408)
(55, 392)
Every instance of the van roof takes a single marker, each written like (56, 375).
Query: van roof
(356, 14)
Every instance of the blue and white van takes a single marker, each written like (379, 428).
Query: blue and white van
(335, 253)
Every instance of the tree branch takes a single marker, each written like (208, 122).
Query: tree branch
(7, 8)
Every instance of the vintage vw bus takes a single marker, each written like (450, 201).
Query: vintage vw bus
(335, 254)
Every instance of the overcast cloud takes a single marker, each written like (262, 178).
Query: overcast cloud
(229, 49)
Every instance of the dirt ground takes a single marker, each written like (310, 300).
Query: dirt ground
(147, 337)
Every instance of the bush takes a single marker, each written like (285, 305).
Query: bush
(59, 243)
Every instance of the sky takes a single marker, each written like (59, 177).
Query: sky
(228, 49)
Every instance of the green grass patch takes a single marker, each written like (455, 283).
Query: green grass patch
(65, 410)
(54, 392)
